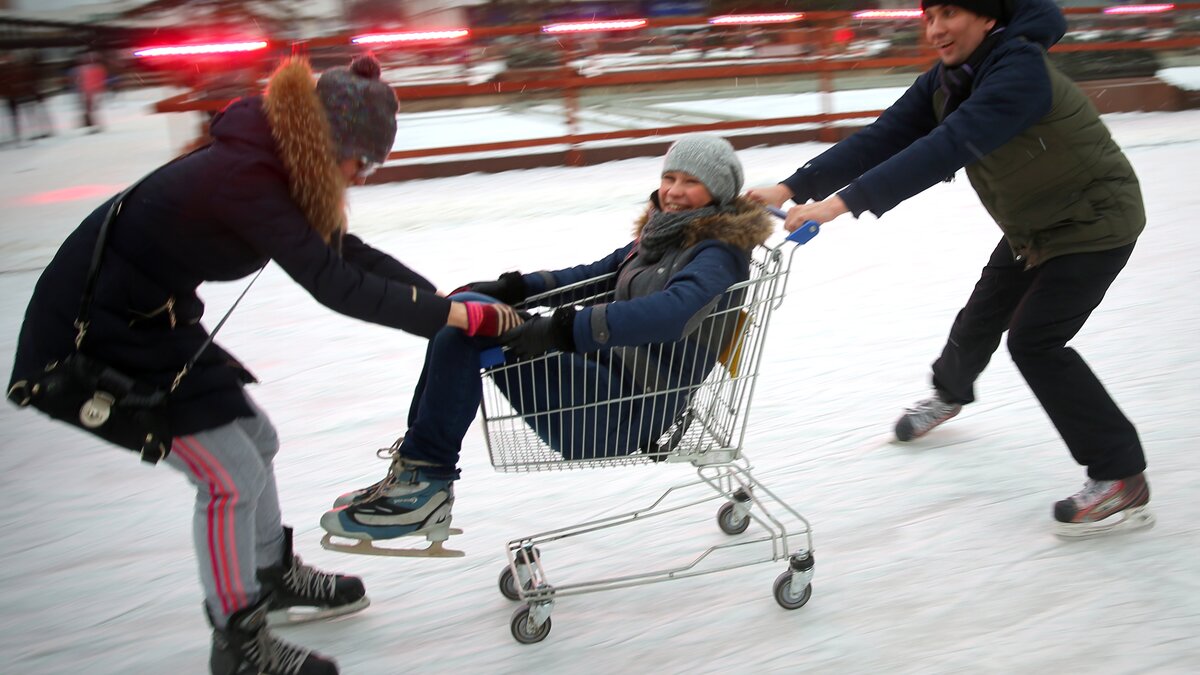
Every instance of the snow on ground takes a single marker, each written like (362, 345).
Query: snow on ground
(1184, 77)
(932, 557)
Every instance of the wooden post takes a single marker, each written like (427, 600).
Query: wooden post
(570, 94)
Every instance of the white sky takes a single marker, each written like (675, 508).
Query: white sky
(933, 557)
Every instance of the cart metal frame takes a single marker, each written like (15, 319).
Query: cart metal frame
(708, 433)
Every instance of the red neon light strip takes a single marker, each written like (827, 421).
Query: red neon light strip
(588, 26)
(1139, 9)
(454, 34)
(219, 48)
(888, 14)
(756, 18)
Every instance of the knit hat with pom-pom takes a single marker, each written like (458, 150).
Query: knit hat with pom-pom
(361, 110)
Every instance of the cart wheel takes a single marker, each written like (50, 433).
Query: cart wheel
(727, 522)
(508, 584)
(786, 596)
(523, 632)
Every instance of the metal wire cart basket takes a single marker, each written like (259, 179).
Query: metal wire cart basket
(675, 402)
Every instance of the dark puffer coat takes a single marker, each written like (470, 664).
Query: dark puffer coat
(219, 214)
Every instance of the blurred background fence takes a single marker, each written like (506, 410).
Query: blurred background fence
(560, 90)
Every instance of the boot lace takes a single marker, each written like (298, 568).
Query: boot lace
(309, 582)
(273, 655)
(1093, 490)
(391, 454)
(928, 411)
(400, 467)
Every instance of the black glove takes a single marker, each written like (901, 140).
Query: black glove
(509, 288)
(542, 334)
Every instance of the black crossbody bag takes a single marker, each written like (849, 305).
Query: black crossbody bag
(91, 395)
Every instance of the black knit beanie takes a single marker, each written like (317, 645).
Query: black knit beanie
(993, 9)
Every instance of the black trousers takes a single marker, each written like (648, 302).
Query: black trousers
(1042, 309)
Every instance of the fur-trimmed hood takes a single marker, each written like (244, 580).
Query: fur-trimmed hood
(301, 132)
(744, 224)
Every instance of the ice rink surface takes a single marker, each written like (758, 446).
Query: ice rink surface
(931, 557)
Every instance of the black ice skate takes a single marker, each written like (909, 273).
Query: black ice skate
(1104, 507)
(924, 417)
(247, 647)
(301, 593)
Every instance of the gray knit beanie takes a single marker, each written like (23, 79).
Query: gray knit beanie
(711, 159)
(361, 110)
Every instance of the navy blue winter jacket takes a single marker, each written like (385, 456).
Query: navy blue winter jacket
(664, 301)
(906, 150)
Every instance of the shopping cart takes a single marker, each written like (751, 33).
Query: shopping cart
(697, 417)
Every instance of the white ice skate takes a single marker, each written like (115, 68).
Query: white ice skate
(406, 504)
(365, 545)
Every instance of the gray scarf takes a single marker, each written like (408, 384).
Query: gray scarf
(663, 231)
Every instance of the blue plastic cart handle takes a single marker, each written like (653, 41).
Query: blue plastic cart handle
(804, 233)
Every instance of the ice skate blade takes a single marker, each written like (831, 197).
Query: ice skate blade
(1139, 518)
(367, 547)
(295, 615)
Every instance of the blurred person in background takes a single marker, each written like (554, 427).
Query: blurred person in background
(271, 186)
(1066, 199)
(91, 79)
(10, 90)
(21, 86)
(42, 124)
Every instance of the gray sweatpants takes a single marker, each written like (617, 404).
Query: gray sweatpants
(236, 525)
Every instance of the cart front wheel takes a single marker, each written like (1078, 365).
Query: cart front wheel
(729, 522)
(786, 596)
(508, 584)
(523, 629)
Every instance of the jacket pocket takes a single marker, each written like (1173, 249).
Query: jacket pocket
(143, 303)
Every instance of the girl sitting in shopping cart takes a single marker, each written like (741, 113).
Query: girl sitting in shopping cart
(604, 375)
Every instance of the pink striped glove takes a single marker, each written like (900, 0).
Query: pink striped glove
(490, 319)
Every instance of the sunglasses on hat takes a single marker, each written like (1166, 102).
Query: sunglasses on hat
(365, 168)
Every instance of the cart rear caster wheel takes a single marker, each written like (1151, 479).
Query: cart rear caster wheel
(728, 522)
(523, 630)
(508, 584)
(786, 596)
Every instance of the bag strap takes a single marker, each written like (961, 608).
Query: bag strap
(213, 334)
(89, 287)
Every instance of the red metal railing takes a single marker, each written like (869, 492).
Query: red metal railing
(822, 49)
